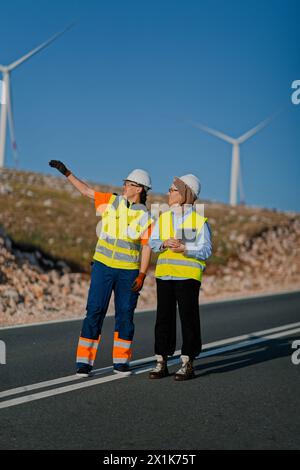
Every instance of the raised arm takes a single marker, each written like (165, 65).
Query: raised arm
(82, 187)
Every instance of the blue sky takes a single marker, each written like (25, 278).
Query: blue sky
(112, 94)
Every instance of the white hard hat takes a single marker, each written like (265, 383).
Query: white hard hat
(140, 177)
(192, 182)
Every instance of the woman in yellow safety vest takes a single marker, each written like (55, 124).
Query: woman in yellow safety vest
(120, 263)
(182, 238)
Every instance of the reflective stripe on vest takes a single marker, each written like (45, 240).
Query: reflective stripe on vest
(119, 244)
(177, 264)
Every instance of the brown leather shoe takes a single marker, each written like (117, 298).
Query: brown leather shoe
(161, 369)
(186, 371)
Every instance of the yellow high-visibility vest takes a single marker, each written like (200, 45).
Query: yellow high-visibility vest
(177, 264)
(119, 242)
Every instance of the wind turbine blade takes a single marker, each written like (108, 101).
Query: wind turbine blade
(11, 125)
(214, 132)
(15, 64)
(256, 129)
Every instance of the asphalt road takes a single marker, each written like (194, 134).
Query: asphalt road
(245, 395)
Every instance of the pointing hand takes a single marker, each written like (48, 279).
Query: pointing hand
(60, 167)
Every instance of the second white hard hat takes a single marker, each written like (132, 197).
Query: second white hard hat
(140, 177)
(192, 182)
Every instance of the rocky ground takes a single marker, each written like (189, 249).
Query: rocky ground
(269, 262)
(47, 238)
(34, 288)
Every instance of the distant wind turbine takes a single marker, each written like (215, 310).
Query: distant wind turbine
(236, 181)
(6, 106)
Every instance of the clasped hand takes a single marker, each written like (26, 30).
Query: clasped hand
(174, 244)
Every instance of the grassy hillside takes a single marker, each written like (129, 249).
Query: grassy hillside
(45, 213)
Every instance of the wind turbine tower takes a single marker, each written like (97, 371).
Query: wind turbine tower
(5, 99)
(236, 175)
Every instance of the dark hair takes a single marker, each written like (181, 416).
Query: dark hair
(143, 196)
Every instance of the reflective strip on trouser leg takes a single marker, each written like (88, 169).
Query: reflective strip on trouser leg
(87, 350)
(122, 351)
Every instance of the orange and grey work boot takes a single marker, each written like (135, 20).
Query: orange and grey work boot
(186, 370)
(161, 369)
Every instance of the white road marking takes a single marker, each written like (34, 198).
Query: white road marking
(104, 370)
(214, 348)
(49, 383)
(202, 302)
(232, 347)
(58, 391)
(289, 326)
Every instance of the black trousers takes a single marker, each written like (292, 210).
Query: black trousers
(186, 294)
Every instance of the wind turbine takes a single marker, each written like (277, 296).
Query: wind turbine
(6, 101)
(236, 175)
